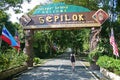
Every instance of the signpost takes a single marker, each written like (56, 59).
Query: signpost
(62, 16)
(61, 21)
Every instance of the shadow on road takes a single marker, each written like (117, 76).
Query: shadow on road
(52, 72)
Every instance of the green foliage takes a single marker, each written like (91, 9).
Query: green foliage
(118, 20)
(58, 1)
(18, 59)
(37, 60)
(10, 59)
(118, 5)
(6, 4)
(4, 61)
(3, 16)
(85, 33)
(109, 63)
(94, 55)
(45, 40)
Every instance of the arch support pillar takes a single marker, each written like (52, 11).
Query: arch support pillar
(28, 46)
(94, 38)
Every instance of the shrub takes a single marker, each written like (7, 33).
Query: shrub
(37, 60)
(4, 61)
(10, 58)
(18, 59)
(109, 63)
(93, 55)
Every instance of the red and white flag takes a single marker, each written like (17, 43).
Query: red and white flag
(112, 42)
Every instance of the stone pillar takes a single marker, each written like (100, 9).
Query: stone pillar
(29, 47)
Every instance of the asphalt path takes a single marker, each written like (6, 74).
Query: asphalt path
(58, 69)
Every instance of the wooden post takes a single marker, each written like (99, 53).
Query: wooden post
(28, 46)
(93, 45)
(94, 38)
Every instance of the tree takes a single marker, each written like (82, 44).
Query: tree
(6, 4)
(4, 17)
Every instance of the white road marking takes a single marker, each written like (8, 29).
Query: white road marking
(59, 68)
(89, 71)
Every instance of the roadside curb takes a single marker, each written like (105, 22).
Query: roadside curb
(99, 75)
(95, 73)
(89, 70)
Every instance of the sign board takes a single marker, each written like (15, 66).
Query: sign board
(58, 8)
(100, 16)
(62, 16)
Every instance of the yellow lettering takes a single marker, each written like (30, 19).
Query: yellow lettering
(41, 19)
(74, 17)
(49, 19)
(61, 17)
(56, 18)
(81, 17)
(67, 18)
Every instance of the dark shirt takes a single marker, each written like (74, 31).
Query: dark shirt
(72, 58)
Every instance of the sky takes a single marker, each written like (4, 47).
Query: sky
(25, 7)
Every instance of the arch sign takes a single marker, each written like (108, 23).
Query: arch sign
(63, 16)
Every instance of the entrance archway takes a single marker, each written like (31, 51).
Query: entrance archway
(61, 16)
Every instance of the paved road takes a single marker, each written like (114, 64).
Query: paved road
(58, 69)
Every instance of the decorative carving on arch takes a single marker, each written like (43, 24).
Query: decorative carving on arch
(94, 37)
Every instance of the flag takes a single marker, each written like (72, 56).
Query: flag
(112, 42)
(8, 38)
(17, 40)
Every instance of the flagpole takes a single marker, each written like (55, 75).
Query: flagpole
(16, 35)
(116, 57)
(0, 42)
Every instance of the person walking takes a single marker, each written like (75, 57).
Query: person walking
(72, 58)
